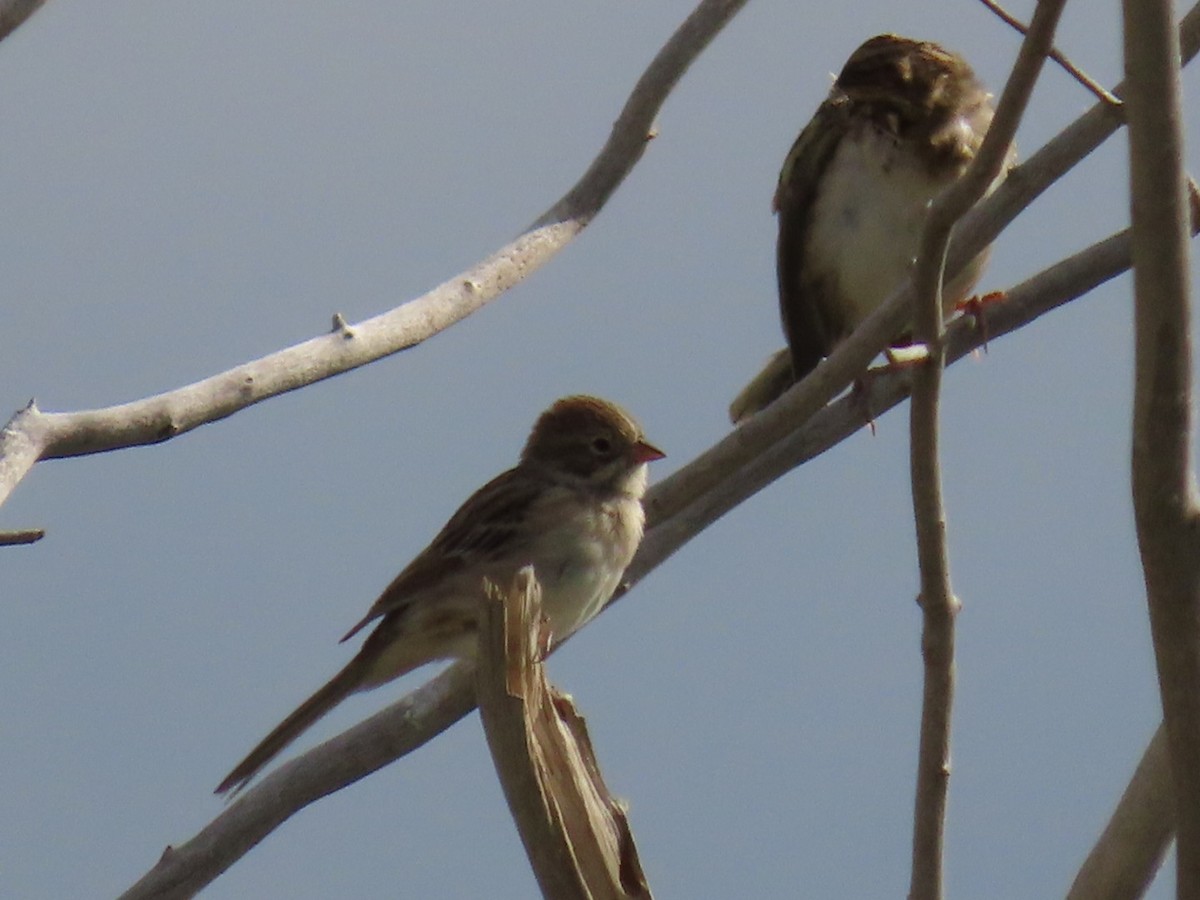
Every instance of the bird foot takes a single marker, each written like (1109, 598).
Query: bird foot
(976, 308)
(860, 396)
(899, 357)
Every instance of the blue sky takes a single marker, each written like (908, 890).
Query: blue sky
(190, 186)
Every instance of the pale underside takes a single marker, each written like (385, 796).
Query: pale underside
(866, 222)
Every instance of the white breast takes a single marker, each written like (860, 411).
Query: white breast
(582, 565)
(867, 218)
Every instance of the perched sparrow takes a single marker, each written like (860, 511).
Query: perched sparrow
(904, 119)
(571, 508)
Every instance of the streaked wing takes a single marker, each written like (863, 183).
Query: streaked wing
(488, 526)
(809, 318)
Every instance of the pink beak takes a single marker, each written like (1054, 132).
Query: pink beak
(644, 453)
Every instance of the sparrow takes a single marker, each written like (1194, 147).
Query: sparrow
(903, 120)
(571, 508)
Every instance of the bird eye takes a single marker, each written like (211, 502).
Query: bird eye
(602, 446)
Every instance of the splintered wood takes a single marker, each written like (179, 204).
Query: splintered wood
(576, 834)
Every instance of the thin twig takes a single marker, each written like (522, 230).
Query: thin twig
(938, 603)
(1058, 56)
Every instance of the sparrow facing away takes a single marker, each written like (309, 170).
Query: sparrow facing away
(571, 508)
(903, 120)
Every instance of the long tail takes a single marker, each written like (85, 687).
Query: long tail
(767, 387)
(342, 685)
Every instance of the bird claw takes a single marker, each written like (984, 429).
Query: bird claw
(976, 308)
(860, 395)
(905, 356)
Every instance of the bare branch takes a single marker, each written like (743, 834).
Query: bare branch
(23, 536)
(14, 12)
(1055, 54)
(1164, 495)
(938, 604)
(407, 724)
(1131, 850)
(576, 834)
(32, 435)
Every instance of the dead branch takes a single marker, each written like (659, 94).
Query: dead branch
(15, 12)
(1133, 845)
(575, 832)
(32, 435)
(939, 606)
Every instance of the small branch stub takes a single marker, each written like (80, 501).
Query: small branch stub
(24, 536)
(575, 833)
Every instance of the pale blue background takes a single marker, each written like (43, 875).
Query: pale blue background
(187, 186)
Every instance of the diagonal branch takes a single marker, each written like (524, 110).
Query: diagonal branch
(1133, 845)
(32, 435)
(14, 12)
(1057, 55)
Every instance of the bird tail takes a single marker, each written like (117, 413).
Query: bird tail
(767, 387)
(342, 685)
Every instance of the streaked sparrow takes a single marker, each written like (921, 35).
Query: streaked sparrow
(571, 508)
(903, 120)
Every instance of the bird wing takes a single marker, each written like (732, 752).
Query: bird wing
(489, 525)
(807, 306)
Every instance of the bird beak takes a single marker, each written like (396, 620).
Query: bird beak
(644, 453)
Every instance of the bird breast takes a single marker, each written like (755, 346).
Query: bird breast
(868, 215)
(582, 564)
